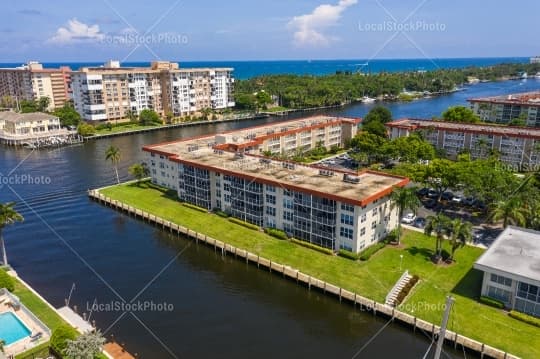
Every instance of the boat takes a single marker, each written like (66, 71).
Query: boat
(537, 76)
(524, 76)
(367, 99)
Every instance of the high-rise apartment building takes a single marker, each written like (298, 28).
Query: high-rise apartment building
(112, 92)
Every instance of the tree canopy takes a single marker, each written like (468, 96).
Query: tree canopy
(460, 114)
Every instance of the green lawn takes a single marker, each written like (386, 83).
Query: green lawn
(124, 128)
(372, 279)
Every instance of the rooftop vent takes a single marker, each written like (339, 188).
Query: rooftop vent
(326, 173)
(351, 179)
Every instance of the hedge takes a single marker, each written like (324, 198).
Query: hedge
(406, 289)
(221, 213)
(197, 208)
(276, 233)
(529, 319)
(245, 224)
(312, 246)
(491, 302)
(60, 336)
(6, 281)
(41, 350)
(371, 250)
(348, 254)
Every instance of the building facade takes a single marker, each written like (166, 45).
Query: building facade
(112, 92)
(516, 146)
(504, 109)
(32, 81)
(511, 271)
(229, 172)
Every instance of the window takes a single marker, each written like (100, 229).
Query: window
(346, 232)
(363, 218)
(347, 219)
(363, 231)
(271, 211)
(270, 199)
(270, 189)
(501, 280)
(287, 203)
(347, 207)
(288, 216)
(228, 198)
(287, 192)
(374, 212)
(373, 224)
(499, 294)
(529, 292)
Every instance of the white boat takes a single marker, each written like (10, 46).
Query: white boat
(367, 99)
(537, 75)
(524, 75)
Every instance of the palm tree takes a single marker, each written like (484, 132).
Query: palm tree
(404, 198)
(510, 211)
(113, 154)
(8, 215)
(439, 225)
(458, 233)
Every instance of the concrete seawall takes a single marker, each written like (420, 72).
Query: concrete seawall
(452, 338)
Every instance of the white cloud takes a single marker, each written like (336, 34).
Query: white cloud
(77, 31)
(309, 29)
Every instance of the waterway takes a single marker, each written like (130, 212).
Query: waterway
(220, 307)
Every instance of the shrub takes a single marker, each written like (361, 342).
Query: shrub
(525, 318)
(371, 250)
(491, 302)
(245, 224)
(39, 351)
(348, 254)
(6, 281)
(85, 129)
(392, 236)
(312, 246)
(60, 336)
(197, 208)
(406, 289)
(276, 233)
(221, 213)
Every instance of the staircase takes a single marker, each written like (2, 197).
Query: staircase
(402, 282)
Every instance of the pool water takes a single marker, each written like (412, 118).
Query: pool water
(12, 329)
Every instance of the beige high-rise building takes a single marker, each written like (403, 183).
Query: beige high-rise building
(32, 81)
(112, 92)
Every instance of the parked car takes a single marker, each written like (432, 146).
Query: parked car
(457, 199)
(430, 204)
(423, 192)
(469, 201)
(432, 193)
(480, 205)
(408, 218)
(447, 196)
(419, 222)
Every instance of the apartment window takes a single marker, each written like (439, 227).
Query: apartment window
(499, 294)
(271, 211)
(373, 224)
(363, 218)
(228, 198)
(288, 216)
(346, 232)
(287, 192)
(270, 199)
(374, 212)
(270, 189)
(529, 292)
(501, 280)
(347, 219)
(287, 203)
(347, 207)
(363, 231)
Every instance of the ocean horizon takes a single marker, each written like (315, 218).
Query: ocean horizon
(244, 69)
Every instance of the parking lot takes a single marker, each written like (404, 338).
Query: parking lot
(341, 162)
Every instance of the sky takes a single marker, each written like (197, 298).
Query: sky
(188, 30)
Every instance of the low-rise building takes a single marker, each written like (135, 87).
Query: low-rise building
(30, 128)
(32, 81)
(504, 109)
(516, 146)
(511, 267)
(230, 172)
(112, 92)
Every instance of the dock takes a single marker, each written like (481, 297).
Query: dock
(116, 351)
(310, 282)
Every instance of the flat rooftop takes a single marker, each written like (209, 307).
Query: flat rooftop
(525, 98)
(516, 251)
(203, 152)
(482, 128)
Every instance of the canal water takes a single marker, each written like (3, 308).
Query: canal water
(184, 300)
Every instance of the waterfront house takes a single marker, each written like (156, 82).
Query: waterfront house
(27, 128)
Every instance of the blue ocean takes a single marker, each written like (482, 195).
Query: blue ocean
(248, 69)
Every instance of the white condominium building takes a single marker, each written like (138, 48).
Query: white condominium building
(229, 172)
(32, 81)
(504, 109)
(112, 92)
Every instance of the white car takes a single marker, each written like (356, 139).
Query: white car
(457, 199)
(408, 218)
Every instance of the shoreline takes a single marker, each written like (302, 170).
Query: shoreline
(293, 274)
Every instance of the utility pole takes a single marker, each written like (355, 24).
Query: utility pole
(442, 332)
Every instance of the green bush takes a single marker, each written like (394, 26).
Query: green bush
(41, 351)
(371, 250)
(312, 246)
(279, 234)
(197, 208)
(491, 302)
(348, 254)
(245, 224)
(525, 318)
(85, 129)
(406, 289)
(221, 213)
(60, 336)
(6, 281)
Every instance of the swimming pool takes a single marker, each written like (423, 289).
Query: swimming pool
(12, 329)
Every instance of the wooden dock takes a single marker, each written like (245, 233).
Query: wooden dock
(452, 338)
(116, 351)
